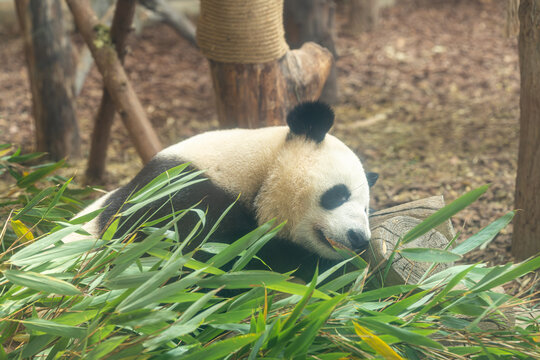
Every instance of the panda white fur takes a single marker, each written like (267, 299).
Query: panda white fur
(297, 174)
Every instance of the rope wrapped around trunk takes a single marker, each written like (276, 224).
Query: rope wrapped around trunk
(242, 31)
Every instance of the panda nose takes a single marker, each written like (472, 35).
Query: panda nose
(358, 239)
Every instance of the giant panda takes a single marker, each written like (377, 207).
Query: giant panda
(296, 173)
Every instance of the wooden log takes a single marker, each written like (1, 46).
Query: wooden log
(50, 72)
(120, 29)
(256, 95)
(97, 38)
(389, 225)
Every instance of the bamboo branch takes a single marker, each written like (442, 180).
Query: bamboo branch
(98, 40)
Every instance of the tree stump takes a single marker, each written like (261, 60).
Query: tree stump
(256, 78)
(389, 225)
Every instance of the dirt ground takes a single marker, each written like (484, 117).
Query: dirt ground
(429, 99)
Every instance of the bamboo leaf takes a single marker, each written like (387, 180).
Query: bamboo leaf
(222, 348)
(444, 214)
(34, 201)
(105, 348)
(41, 282)
(429, 255)
(43, 243)
(485, 235)
(39, 174)
(376, 343)
(508, 275)
(234, 249)
(243, 279)
(54, 328)
(21, 231)
(400, 333)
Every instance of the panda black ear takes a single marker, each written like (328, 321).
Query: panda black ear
(372, 178)
(311, 119)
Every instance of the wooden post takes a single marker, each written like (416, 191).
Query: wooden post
(526, 237)
(121, 27)
(50, 72)
(98, 40)
(388, 225)
(256, 78)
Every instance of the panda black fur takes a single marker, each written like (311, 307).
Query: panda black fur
(296, 173)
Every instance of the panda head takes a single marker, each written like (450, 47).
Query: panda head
(318, 185)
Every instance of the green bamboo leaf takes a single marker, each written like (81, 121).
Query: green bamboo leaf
(57, 197)
(429, 255)
(243, 279)
(234, 249)
(86, 217)
(33, 202)
(163, 193)
(222, 348)
(302, 341)
(384, 293)
(341, 281)
(40, 282)
(19, 159)
(297, 311)
(157, 183)
(75, 248)
(156, 296)
(444, 214)
(440, 296)
(105, 347)
(296, 289)
(508, 274)
(169, 270)
(39, 174)
(256, 246)
(54, 328)
(400, 306)
(43, 243)
(129, 281)
(35, 345)
(402, 334)
(485, 235)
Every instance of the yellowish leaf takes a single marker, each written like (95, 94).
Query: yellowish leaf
(22, 231)
(376, 343)
(5, 151)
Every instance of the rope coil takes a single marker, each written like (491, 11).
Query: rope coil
(242, 31)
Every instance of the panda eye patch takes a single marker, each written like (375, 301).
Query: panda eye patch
(335, 197)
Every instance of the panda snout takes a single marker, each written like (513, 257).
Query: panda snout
(358, 239)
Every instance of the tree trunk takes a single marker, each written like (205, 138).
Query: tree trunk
(50, 71)
(256, 95)
(526, 237)
(98, 40)
(313, 20)
(256, 78)
(121, 27)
